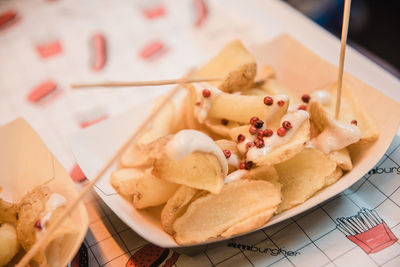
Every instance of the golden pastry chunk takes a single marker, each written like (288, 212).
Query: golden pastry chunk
(302, 176)
(235, 64)
(240, 206)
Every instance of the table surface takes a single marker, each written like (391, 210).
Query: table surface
(65, 29)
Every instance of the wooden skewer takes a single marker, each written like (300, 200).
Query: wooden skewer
(143, 83)
(45, 237)
(345, 27)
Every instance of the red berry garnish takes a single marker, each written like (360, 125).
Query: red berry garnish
(281, 103)
(259, 143)
(252, 129)
(253, 120)
(354, 122)
(248, 165)
(302, 107)
(227, 153)
(260, 134)
(206, 93)
(281, 131)
(287, 125)
(259, 124)
(38, 225)
(268, 132)
(305, 98)
(242, 166)
(224, 122)
(268, 100)
(241, 138)
(250, 145)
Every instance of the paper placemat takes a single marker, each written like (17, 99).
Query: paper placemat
(46, 45)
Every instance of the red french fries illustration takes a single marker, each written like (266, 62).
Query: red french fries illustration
(367, 230)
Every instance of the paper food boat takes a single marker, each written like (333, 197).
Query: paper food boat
(297, 68)
(25, 163)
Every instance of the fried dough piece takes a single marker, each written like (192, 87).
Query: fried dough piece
(266, 173)
(239, 203)
(350, 110)
(333, 177)
(287, 150)
(152, 191)
(198, 170)
(241, 108)
(135, 157)
(32, 208)
(342, 159)
(235, 64)
(124, 180)
(219, 129)
(8, 211)
(30, 211)
(141, 187)
(143, 156)
(249, 224)
(235, 157)
(267, 72)
(302, 176)
(176, 206)
(9, 245)
(273, 87)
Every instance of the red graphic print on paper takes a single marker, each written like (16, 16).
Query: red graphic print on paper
(201, 12)
(152, 50)
(8, 18)
(154, 12)
(367, 230)
(152, 255)
(50, 49)
(99, 51)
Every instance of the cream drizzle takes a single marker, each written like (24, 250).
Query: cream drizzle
(55, 201)
(234, 160)
(296, 118)
(336, 136)
(234, 176)
(203, 104)
(242, 146)
(270, 111)
(186, 142)
(321, 96)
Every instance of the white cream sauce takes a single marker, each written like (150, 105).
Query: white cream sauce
(234, 160)
(321, 96)
(242, 147)
(270, 111)
(336, 136)
(296, 118)
(234, 176)
(55, 201)
(203, 104)
(186, 142)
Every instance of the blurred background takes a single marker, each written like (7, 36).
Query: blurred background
(374, 26)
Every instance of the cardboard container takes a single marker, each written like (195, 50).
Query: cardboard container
(300, 70)
(25, 163)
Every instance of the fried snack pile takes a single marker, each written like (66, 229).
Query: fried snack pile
(23, 223)
(239, 151)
